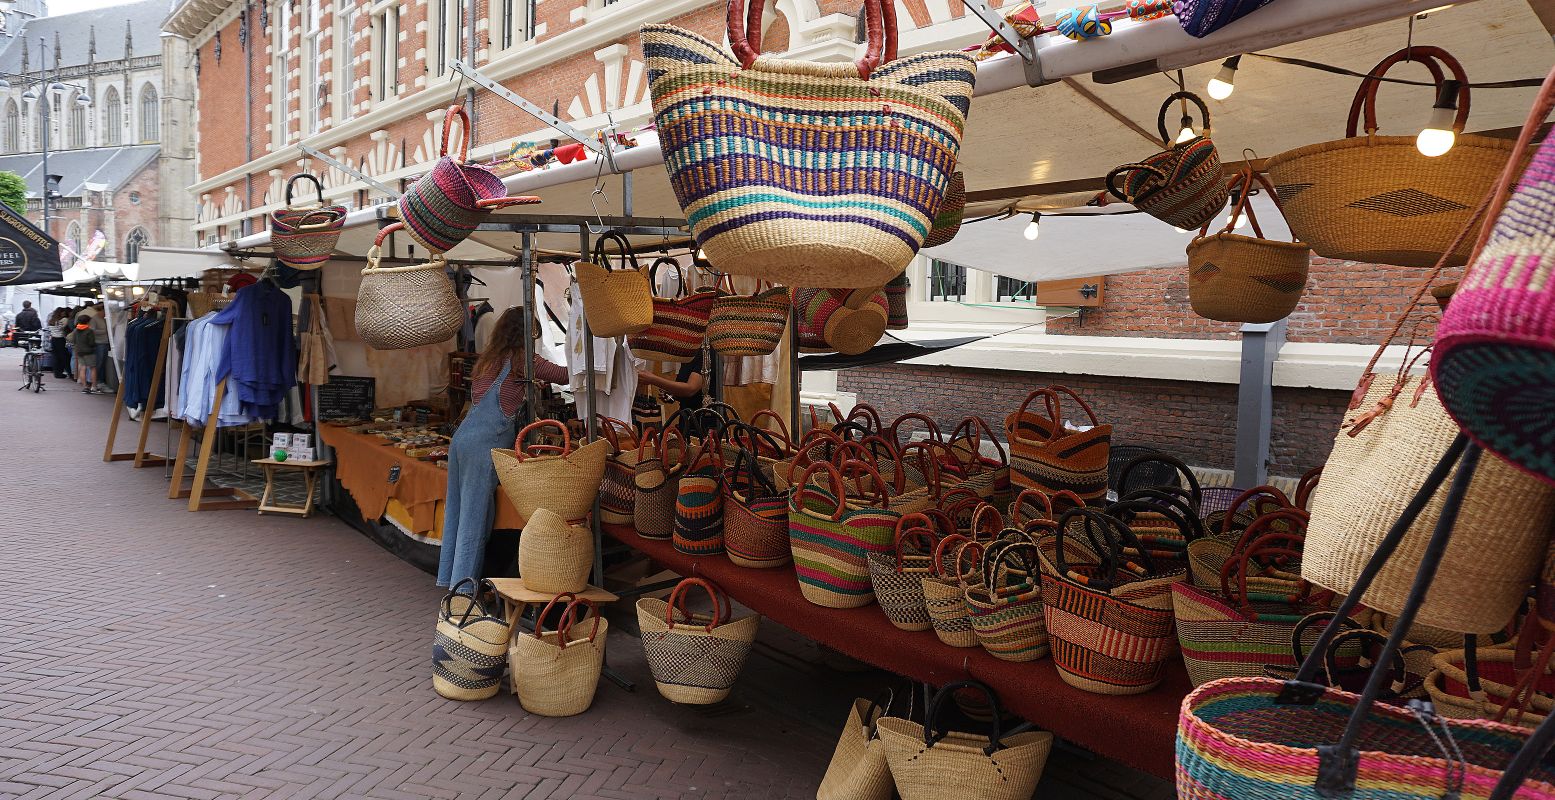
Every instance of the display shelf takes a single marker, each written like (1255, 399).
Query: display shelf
(1138, 730)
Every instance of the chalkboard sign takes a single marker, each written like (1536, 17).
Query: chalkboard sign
(347, 397)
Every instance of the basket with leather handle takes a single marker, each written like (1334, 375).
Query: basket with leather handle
(1046, 454)
(755, 515)
(443, 207)
(1378, 199)
(615, 302)
(695, 657)
(398, 308)
(748, 325)
(832, 537)
(679, 322)
(562, 478)
(897, 577)
(303, 236)
(555, 674)
(1237, 278)
(1182, 185)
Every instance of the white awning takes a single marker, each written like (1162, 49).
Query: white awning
(162, 263)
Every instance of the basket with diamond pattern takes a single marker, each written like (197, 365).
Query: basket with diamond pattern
(694, 657)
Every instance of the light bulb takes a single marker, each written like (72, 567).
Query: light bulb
(1033, 228)
(1437, 136)
(1241, 221)
(701, 254)
(1186, 134)
(1224, 83)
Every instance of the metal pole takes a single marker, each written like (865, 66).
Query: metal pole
(48, 121)
(526, 265)
(1261, 344)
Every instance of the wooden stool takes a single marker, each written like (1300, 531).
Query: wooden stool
(310, 476)
(516, 597)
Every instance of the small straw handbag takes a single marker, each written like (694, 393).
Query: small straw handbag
(469, 650)
(755, 516)
(846, 321)
(1377, 199)
(699, 502)
(618, 490)
(858, 769)
(943, 594)
(695, 658)
(748, 325)
(555, 674)
(1045, 454)
(932, 762)
(1182, 185)
(398, 308)
(1236, 278)
(554, 556)
(443, 207)
(1493, 363)
(1006, 610)
(565, 482)
(658, 482)
(898, 577)
(735, 130)
(679, 323)
(832, 534)
(615, 302)
(303, 237)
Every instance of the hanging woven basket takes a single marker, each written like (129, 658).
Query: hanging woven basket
(398, 308)
(303, 236)
(1236, 278)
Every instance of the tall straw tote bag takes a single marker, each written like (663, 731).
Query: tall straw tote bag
(1109, 621)
(443, 207)
(554, 556)
(1493, 362)
(679, 323)
(1182, 185)
(469, 650)
(699, 502)
(618, 489)
(1006, 610)
(755, 516)
(615, 302)
(932, 762)
(1377, 198)
(847, 321)
(943, 594)
(658, 482)
(832, 538)
(748, 325)
(1047, 455)
(304, 236)
(948, 214)
(858, 769)
(1236, 278)
(555, 674)
(807, 174)
(565, 482)
(695, 658)
(398, 308)
(898, 577)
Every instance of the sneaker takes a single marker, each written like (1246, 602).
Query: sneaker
(86, 391)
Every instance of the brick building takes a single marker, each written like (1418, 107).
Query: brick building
(101, 91)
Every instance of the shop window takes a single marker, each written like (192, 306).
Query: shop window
(345, 60)
(77, 124)
(281, 47)
(132, 244)
(946, 281)
(515, 21)
(444, 35)
(385, 50)
(13, 127)
(150, 115)
(1013, 290)
(315, 85)
(113, 118)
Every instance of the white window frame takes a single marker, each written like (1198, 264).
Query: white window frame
(314, 98)
(280, 48)
(344, 65)
(978, 305)
(113, 117)
(513, 22)
(445, 34)
(385, 53)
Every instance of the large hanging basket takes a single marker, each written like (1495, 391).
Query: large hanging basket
(443, 207)
(398, 308)
(807, 174)
(303, 237)
(1236, 278)
(1377, 199)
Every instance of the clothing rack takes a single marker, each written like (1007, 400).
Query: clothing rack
(199, 488)
(140, 456)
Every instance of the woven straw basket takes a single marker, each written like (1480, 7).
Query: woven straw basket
(949, 213)
(616, 302)
(743, 143)
(443, 207)
(554, 556)
(748, 325)
(618, 490)
(555, 674)
(847, 321)
(933, 763)
(858, 769)
(695, 658)
(898, 577)
(657, 483)
(943, 595)
(1182, 184)
(402, 307)
(1236, 278)
(1460, 693)
(469, 650)
(1377, 199)
(565, 483)
(303, 237)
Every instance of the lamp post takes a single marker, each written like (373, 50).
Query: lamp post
(41, 94)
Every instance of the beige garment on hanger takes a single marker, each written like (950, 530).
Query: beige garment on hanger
(404, 376)
(341, 314)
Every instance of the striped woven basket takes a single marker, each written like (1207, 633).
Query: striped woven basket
(657, 482)
(695, 658)
(944, 593)
(748, 325)
(832, 538)
(948, 214)
(469, 651)
(618, 490)
(846, 321)
(303, 237)
(443, 207)
(699, 503)
(1006, 610)
(1182, 185)
(896, 318)
(1048, 456)
(755, 516)
(807, 174)
(679, 323)
(897, 577)
(398, 308)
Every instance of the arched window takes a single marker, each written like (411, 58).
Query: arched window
(13, 127)
(73, 241)
(113, 118)
(77, 123)
(150, 115)
(132, 244)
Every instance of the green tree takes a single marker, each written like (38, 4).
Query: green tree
(13, 192)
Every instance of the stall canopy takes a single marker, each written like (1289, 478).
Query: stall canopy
(27, 255)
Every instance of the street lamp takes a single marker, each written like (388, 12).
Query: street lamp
(36, 93)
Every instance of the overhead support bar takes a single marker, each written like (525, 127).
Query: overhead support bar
(347, 169)
(1024, 46)
(537, 112)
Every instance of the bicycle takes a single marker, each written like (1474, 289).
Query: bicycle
(32, 361)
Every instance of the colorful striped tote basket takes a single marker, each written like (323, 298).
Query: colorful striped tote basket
(755, 516)
(1006, 610)
(807, 174)
(1494, 361)
(1047, 455)
(832, 539)
(443, 207)
(1182, 185)
(304, 236)
(748, 325)
(618, 490)
(679, 323)
(944, 592)
(699, 503)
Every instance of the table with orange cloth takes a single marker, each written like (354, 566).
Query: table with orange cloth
(363, 465)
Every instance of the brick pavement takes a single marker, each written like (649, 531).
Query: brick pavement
(147, 652)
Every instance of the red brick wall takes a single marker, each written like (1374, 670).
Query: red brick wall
(221, 100)
(127, 215)
(1193, 421)
(1345, 302)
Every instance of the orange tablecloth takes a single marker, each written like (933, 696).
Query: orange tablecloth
(364, 464)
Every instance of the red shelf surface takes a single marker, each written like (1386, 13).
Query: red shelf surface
(1138, 730)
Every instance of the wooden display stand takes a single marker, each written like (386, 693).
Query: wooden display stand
(140, 456)
(199, 488)
(516, 597)
(310, 475)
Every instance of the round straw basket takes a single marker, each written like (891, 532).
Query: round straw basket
(402, 307)
(1234, 278)
(554, 556)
